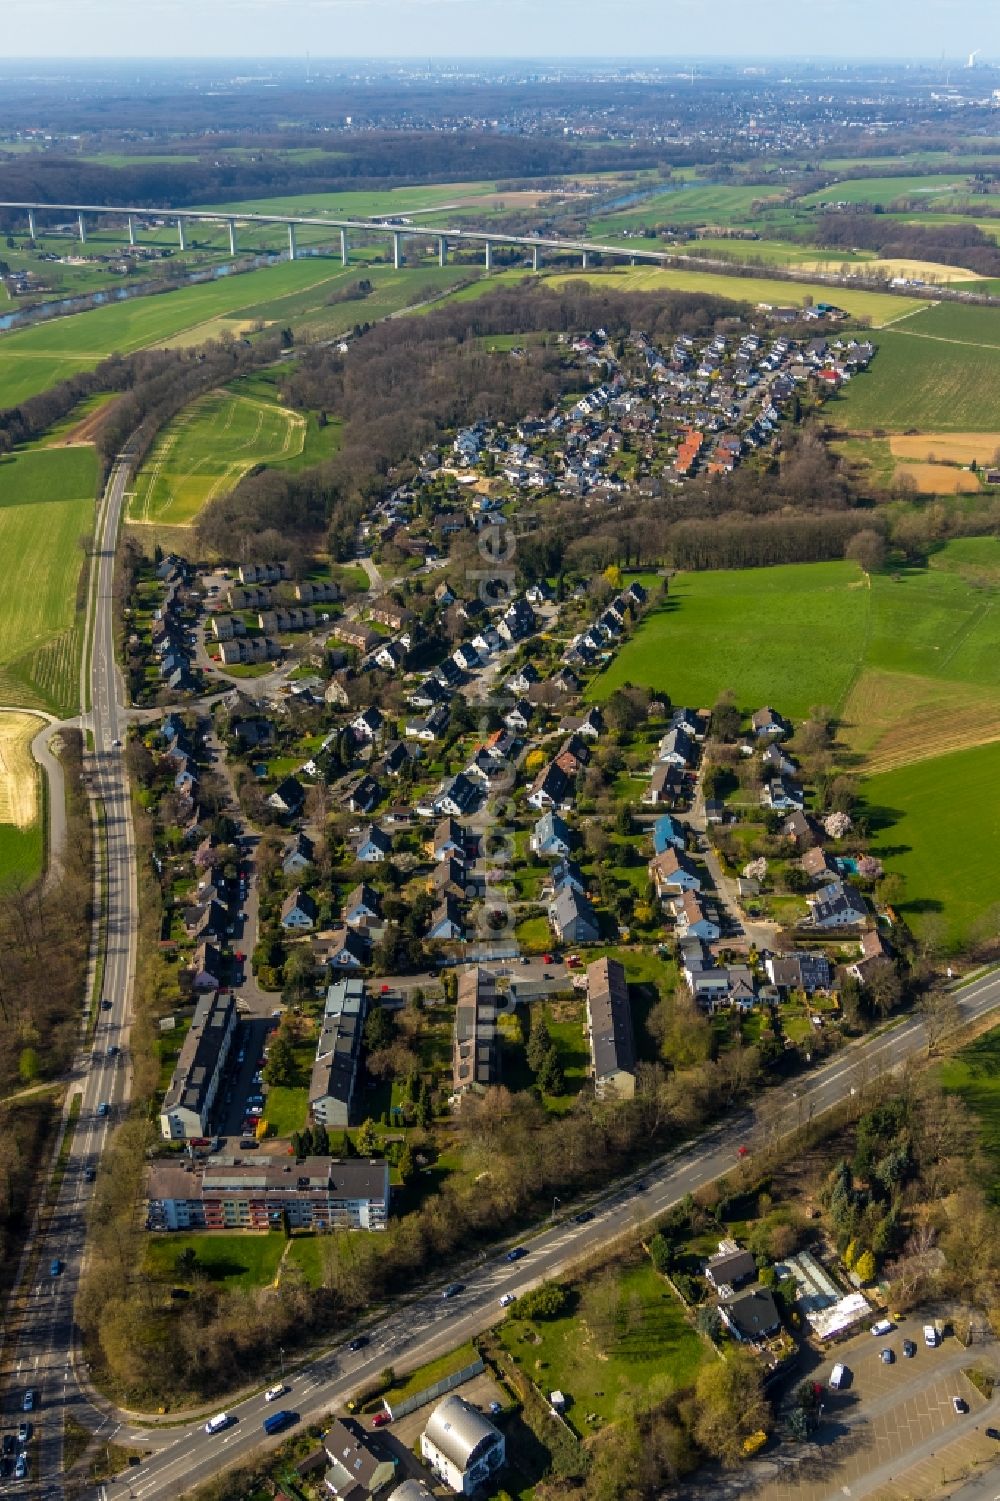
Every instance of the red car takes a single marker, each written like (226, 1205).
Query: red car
(381, 1419)
(743, 1152)
(546, 958)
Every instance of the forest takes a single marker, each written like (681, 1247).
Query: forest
(865, 227)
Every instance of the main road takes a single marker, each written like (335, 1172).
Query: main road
(185, 1456)
(39, 1336)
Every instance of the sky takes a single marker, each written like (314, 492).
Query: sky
(500, 28)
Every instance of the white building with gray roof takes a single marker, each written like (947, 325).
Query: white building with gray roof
(462, 1447)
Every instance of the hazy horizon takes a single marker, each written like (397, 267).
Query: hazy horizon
(497, 30)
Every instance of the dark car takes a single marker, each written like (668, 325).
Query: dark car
(89, 1174)
(584, 1217)
(249, 1146)
(517, 1254)
(453, 1289)
(105, 1005)
(909, 1349)
(9, 1443)
(358, 1343)
(887, 1357)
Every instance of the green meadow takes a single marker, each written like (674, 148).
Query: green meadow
(207, 449)
(937, 823)
(886, 190)
(46, 507)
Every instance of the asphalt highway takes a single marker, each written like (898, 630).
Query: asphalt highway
(40, 1335)
(430, 1325)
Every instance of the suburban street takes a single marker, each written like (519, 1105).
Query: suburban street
(185, 1456)
(40, 1331)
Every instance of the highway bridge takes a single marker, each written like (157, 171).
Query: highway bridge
(391, 228)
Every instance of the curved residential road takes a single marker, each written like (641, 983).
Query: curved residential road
(184, 1456)
(40, 1330)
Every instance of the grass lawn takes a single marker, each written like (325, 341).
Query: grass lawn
(21, 854)
(207, 449)
(534, 934)
(238, 1259)
(651, 1341)
(46, 506)
(426, 1375)
(286, 1109)
(790, 634)
(306, 1252)
(886, 190)
(938, 823)
(974, 1073)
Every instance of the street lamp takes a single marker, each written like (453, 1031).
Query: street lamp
(555, 1200)
(281, 1357)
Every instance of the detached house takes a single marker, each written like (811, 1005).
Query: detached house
(768, 722)
(374, 845)
(287, 797)
(368, 723)
(672, 872)
(298, 910)
(550, 836)
(448, 840)
(446, 921)
(550, 788)
(572, 917)
(691, 919)
(361, 906)
(837, 906)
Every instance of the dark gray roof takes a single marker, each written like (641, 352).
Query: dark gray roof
(610, 1018)
(214, 1018)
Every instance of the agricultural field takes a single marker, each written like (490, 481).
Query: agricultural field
(945, 448)
(887, 190)
(692, 203)
(31, 359)
(933, 374)
(881, 308)
(207, 449)
(46, 507)
(937, 823)
(21, 822)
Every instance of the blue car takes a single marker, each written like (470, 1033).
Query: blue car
(102, 1108)
(517, 1253)
(55, 1267)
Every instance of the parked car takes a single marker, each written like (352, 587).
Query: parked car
(909, 1349)
(249, 1146)
(381, 1419)
(9, 1443)
(24, 1433)
(506, 1300)
(21, 1467)
(28, 1400)
(931, 1337)
(884, 1326)
(960, 1405)
(887, 1356)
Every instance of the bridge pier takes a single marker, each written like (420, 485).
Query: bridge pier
(343, 247)
(442, 251)
(181, 235)
(31, 224)
(83, 229)
(397, 250)
(489, 255)
(232, 236)
(585, 260)
(292, 247)
(536, 258)
(131, 230)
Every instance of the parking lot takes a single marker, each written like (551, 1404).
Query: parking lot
(892, 1431)
(244, 1093)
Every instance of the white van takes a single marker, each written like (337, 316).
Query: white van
(930, 1336)
(838, 1376)
(216, 1424)
(884, 1326)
